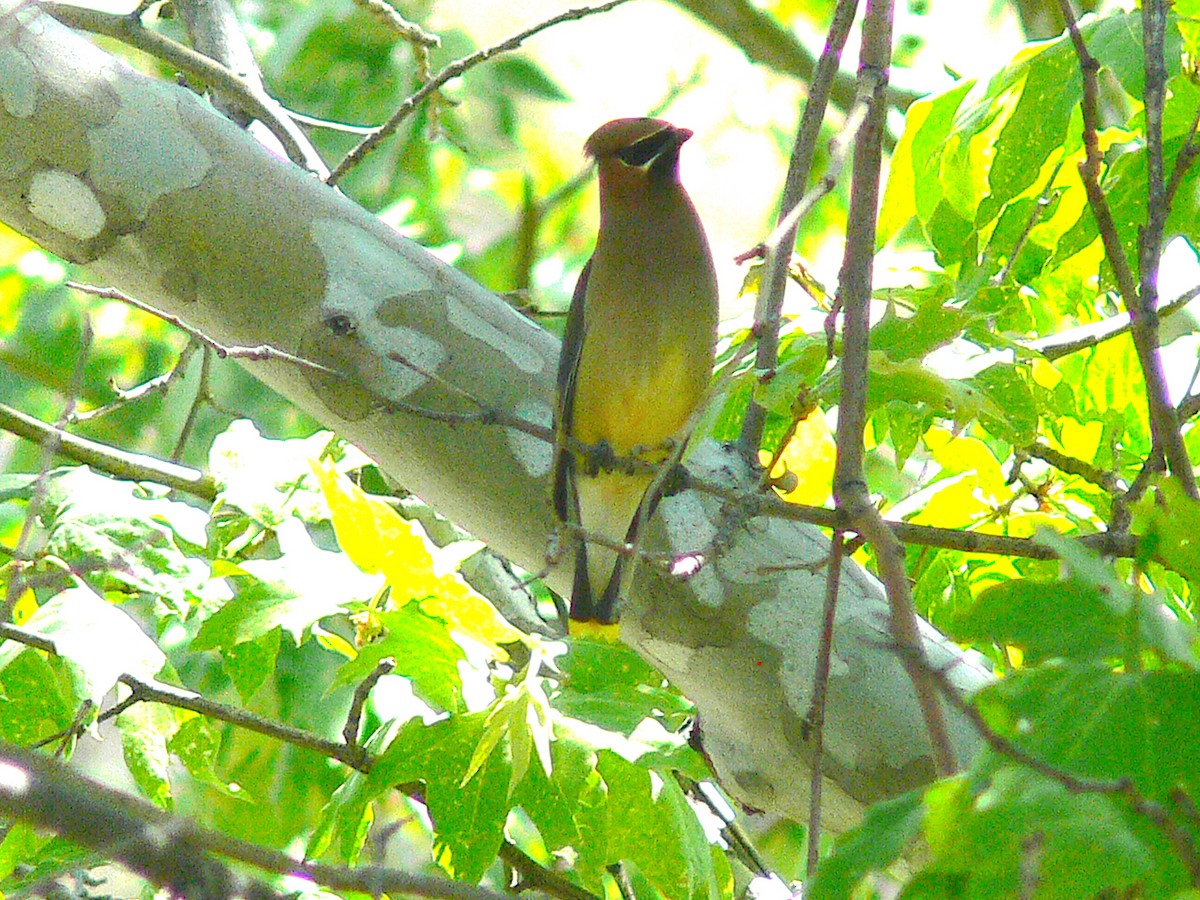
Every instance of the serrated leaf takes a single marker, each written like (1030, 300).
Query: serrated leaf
(423, 650)
(569, 807)
(38, 695)
(292, 592)
(145, 730)
(347, 816)
(468, 819)
(378, 540)
(1017, 824)
(98, 638)
(651, 824)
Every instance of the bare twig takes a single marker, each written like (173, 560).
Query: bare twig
(1084, 337)
(354, 717)
(855, 282)
(1140, 300)
(1073, 466)
(1039, 207)
(50, 447)
(123, 464)
(174, 852)
(815, 720)
(157, 385)
(257, 354)
(773, 278)
(454, 70)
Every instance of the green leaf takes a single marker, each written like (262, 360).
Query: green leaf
(519, 73)
(145, 730)
(38, 695)
(109, 531)
(1167, 521)
(468, 818)
(570, 807)
(292, 592)
(1096, 723)
(608, 685)
(1008, 410)
(197, 744)
(1014, 825)
(886, 830)
(251, 664)
(914, 335)
(96, 637)
(423, 651)
(651, 825)
(1045, 620)
(346, 817)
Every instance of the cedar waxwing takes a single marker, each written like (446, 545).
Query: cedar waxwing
(637, 354)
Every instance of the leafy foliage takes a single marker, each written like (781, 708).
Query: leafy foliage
(290, 587)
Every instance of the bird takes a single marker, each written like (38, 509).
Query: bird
(637, 353)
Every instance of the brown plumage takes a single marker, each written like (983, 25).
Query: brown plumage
(638, 349)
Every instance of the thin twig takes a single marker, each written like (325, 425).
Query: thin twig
(454, 70)
(855, 283)
(50, 446)
(1073, 466)
(1140, 303)
(157, 385)
(175, 852)
(354, 717)
(1084, 337)
(773, 277)
(815, 720)
(257, 354)
(181, 698)
(1039, 208)
(123, 464)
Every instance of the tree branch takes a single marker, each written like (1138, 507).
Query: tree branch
(1140, 300)
(257, 103)
(773, 278)
(854, 293)
(173, 852)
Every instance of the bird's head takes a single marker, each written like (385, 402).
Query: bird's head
(633, 154)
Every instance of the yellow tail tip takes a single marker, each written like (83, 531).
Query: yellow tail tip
(595, 631)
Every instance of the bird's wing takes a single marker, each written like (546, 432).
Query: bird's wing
(565, 503)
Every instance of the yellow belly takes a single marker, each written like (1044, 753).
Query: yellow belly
(630, 408)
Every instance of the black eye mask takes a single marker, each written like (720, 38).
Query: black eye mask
(660, 151)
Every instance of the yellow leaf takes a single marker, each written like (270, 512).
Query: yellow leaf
(378, 539)
(957, 504)
(810, 455)
(957, 454)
